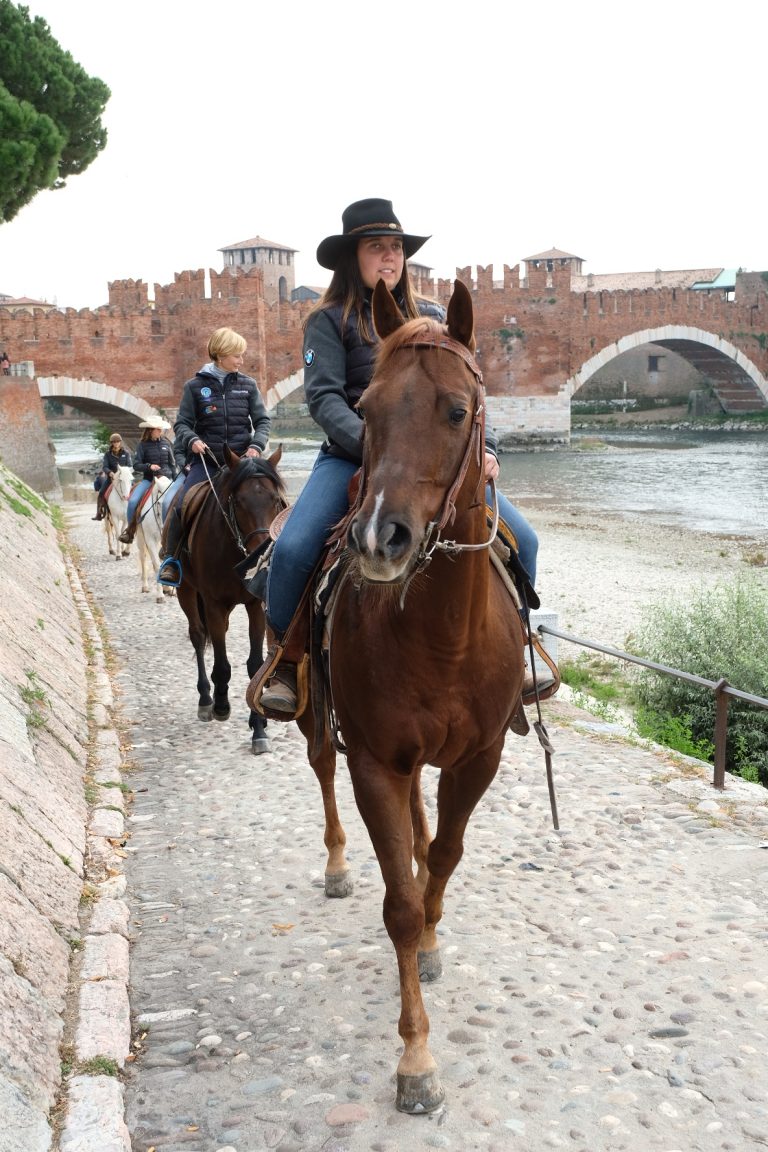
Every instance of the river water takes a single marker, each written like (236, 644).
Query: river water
(714, 482)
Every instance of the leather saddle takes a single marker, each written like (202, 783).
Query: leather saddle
(305, 641)
(194, 502)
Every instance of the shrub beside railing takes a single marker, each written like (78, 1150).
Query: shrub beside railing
(716, 638)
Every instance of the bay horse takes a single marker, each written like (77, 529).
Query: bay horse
(425, 651)
(242, 500)
(149, 531)
(116, 518)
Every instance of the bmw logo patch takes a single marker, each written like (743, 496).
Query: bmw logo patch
(309, 357)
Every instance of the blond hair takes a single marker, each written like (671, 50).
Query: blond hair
(226, 342)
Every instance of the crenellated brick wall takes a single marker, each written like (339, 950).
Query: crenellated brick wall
(533, 336)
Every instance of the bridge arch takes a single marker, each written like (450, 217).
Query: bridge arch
(737, 381)
(119, 410)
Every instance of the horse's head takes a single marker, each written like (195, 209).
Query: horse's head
(423, 445)
(252, 492)
(123, 481)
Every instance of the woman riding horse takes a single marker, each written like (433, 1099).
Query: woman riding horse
(339, 347)
(220, 406)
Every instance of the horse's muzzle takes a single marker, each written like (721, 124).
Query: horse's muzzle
(384, 548)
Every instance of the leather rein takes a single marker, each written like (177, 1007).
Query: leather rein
(230, 515)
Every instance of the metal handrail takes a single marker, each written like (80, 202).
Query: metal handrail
(721, 688)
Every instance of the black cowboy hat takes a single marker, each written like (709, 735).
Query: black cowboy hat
(366, 218)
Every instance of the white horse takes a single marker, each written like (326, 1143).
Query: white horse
(116, 519)
(148, 533)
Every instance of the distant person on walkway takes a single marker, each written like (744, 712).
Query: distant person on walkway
(5, 364)
(116, 456)
(339, 349)
(219, 406)
(153, 457)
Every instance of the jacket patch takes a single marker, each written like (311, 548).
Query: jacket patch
(309, 357)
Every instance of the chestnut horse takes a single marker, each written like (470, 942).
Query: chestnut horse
(243, 499)
(426, 645)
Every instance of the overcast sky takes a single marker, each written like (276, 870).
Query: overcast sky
(630, 135)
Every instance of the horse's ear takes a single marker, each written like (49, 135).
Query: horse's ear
(274, 459)
(231, 459)
(387, 317)
(460, 314)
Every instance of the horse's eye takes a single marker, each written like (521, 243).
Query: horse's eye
(457, 415)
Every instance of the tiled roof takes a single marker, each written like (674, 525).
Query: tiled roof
(23, 302)
(554, 254)
(637, 281)
(256, 242)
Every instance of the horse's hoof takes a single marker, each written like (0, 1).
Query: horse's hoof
(430, 966)
(418, 1095)
(259, 745)
(222, 713)
(205, 712)
(339, 885)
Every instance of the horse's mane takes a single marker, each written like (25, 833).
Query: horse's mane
(422, 326)
(250, 467)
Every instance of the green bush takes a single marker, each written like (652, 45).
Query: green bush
(719, 633)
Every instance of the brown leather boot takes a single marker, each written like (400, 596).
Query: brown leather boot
(280, 693)
(127, 535)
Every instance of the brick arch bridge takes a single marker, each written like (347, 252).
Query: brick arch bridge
(737, 380)
(119, 410)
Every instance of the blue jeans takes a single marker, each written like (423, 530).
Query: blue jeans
(136, 495)
(321, 503)
(527, 540)
(171, 491)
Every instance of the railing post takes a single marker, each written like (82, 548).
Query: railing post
(721, 733)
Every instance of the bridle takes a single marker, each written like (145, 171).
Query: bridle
(432, 541)
(229, 513)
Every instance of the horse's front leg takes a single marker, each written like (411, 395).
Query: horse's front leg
(198, 637)
(421, 833)
(384, 798)
(143, 560)
(217, 617)
(458, 793)
(322, 757)
(256, 722)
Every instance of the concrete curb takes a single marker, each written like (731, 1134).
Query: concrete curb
(93, 1105)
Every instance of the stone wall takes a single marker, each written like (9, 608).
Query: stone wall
(63, 922)
(43, 812)
(25, 447)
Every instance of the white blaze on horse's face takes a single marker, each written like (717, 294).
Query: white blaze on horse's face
(380, 561)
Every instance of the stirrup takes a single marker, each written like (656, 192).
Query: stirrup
(173, 576)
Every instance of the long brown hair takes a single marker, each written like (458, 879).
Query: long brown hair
(347, 288)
